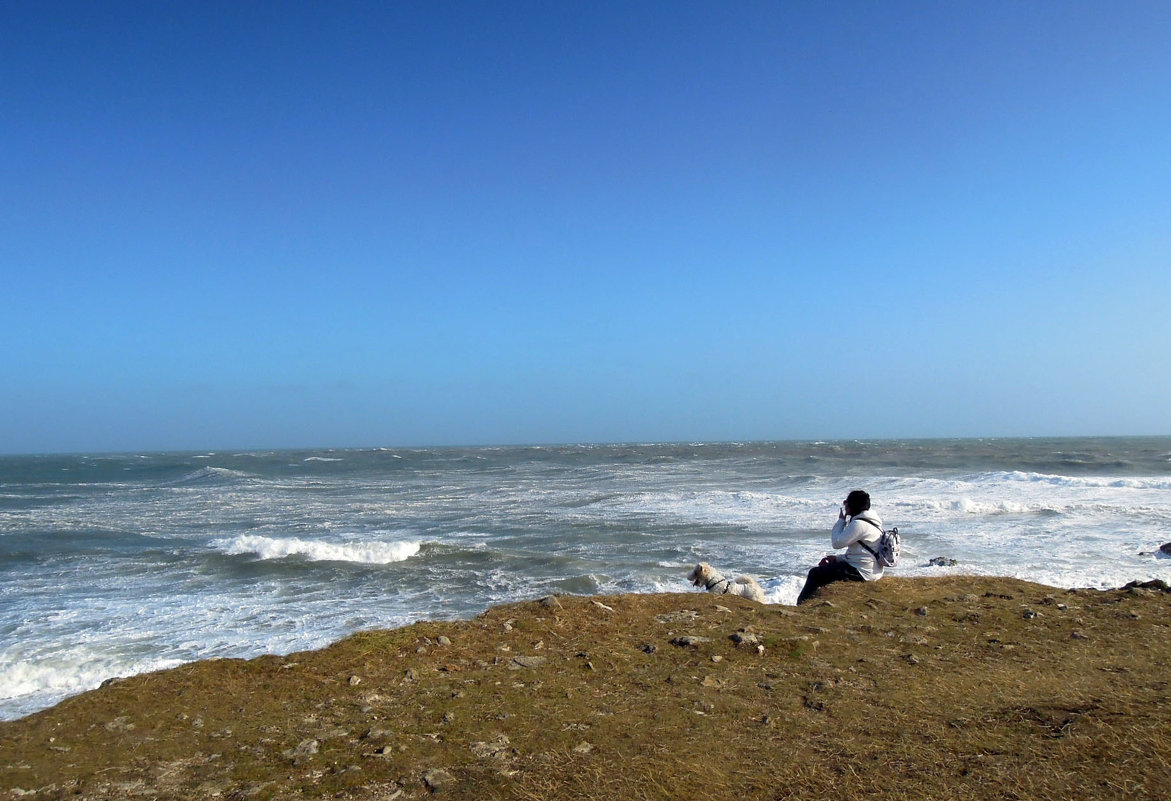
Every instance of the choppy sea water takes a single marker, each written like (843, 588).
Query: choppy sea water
(115, 565)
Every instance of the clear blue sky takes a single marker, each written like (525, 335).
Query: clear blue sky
(236, 225)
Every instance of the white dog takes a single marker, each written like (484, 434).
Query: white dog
(745, 586)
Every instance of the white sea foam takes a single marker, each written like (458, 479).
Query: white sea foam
(783, 590)
(712, 507)
(368, 553)
(322, 459)
(1142, 483)
(965, 505)
(32, 681)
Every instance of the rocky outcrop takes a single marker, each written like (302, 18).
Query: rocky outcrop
(1157, 585)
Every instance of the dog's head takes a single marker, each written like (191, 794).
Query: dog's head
(700, 574)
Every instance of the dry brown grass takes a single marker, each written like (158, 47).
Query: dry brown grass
(929, 688)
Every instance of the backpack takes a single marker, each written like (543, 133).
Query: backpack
(886, 550)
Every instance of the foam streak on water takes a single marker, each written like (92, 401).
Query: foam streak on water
(114, 565)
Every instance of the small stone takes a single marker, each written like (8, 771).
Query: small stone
(648, 648)
(717, 658)
(530, 662)
(442, 640)
(119, 724)
(448, 717)
(1165, 548)
(745, 638)
(942, 561)
(500, 748)
(303, 749)
(911, 659)
(688, 615)
(1078, 635)
(922, 611)
(583, 748)
(436, 779)
(355, 681)
(690, 641)
(551, 602)
(1029, 614)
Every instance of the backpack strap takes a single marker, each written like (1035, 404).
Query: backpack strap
(881, 533)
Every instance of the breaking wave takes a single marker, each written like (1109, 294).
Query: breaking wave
(1087, 481)
(366, 553)
(211, 475)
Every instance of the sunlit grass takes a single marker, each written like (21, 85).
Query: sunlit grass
(957, 687)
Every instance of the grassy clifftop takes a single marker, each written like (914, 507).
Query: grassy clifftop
(957, 687)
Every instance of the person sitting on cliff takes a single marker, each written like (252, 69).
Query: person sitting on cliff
(856, 525)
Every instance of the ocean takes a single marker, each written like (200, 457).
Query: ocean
(112, 565)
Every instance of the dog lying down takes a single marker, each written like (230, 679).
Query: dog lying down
(704, 575)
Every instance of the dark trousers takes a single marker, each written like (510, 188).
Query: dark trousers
(821, 575)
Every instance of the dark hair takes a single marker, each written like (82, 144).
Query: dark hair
(857, 502)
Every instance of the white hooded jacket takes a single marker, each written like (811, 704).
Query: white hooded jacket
(865, 527)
